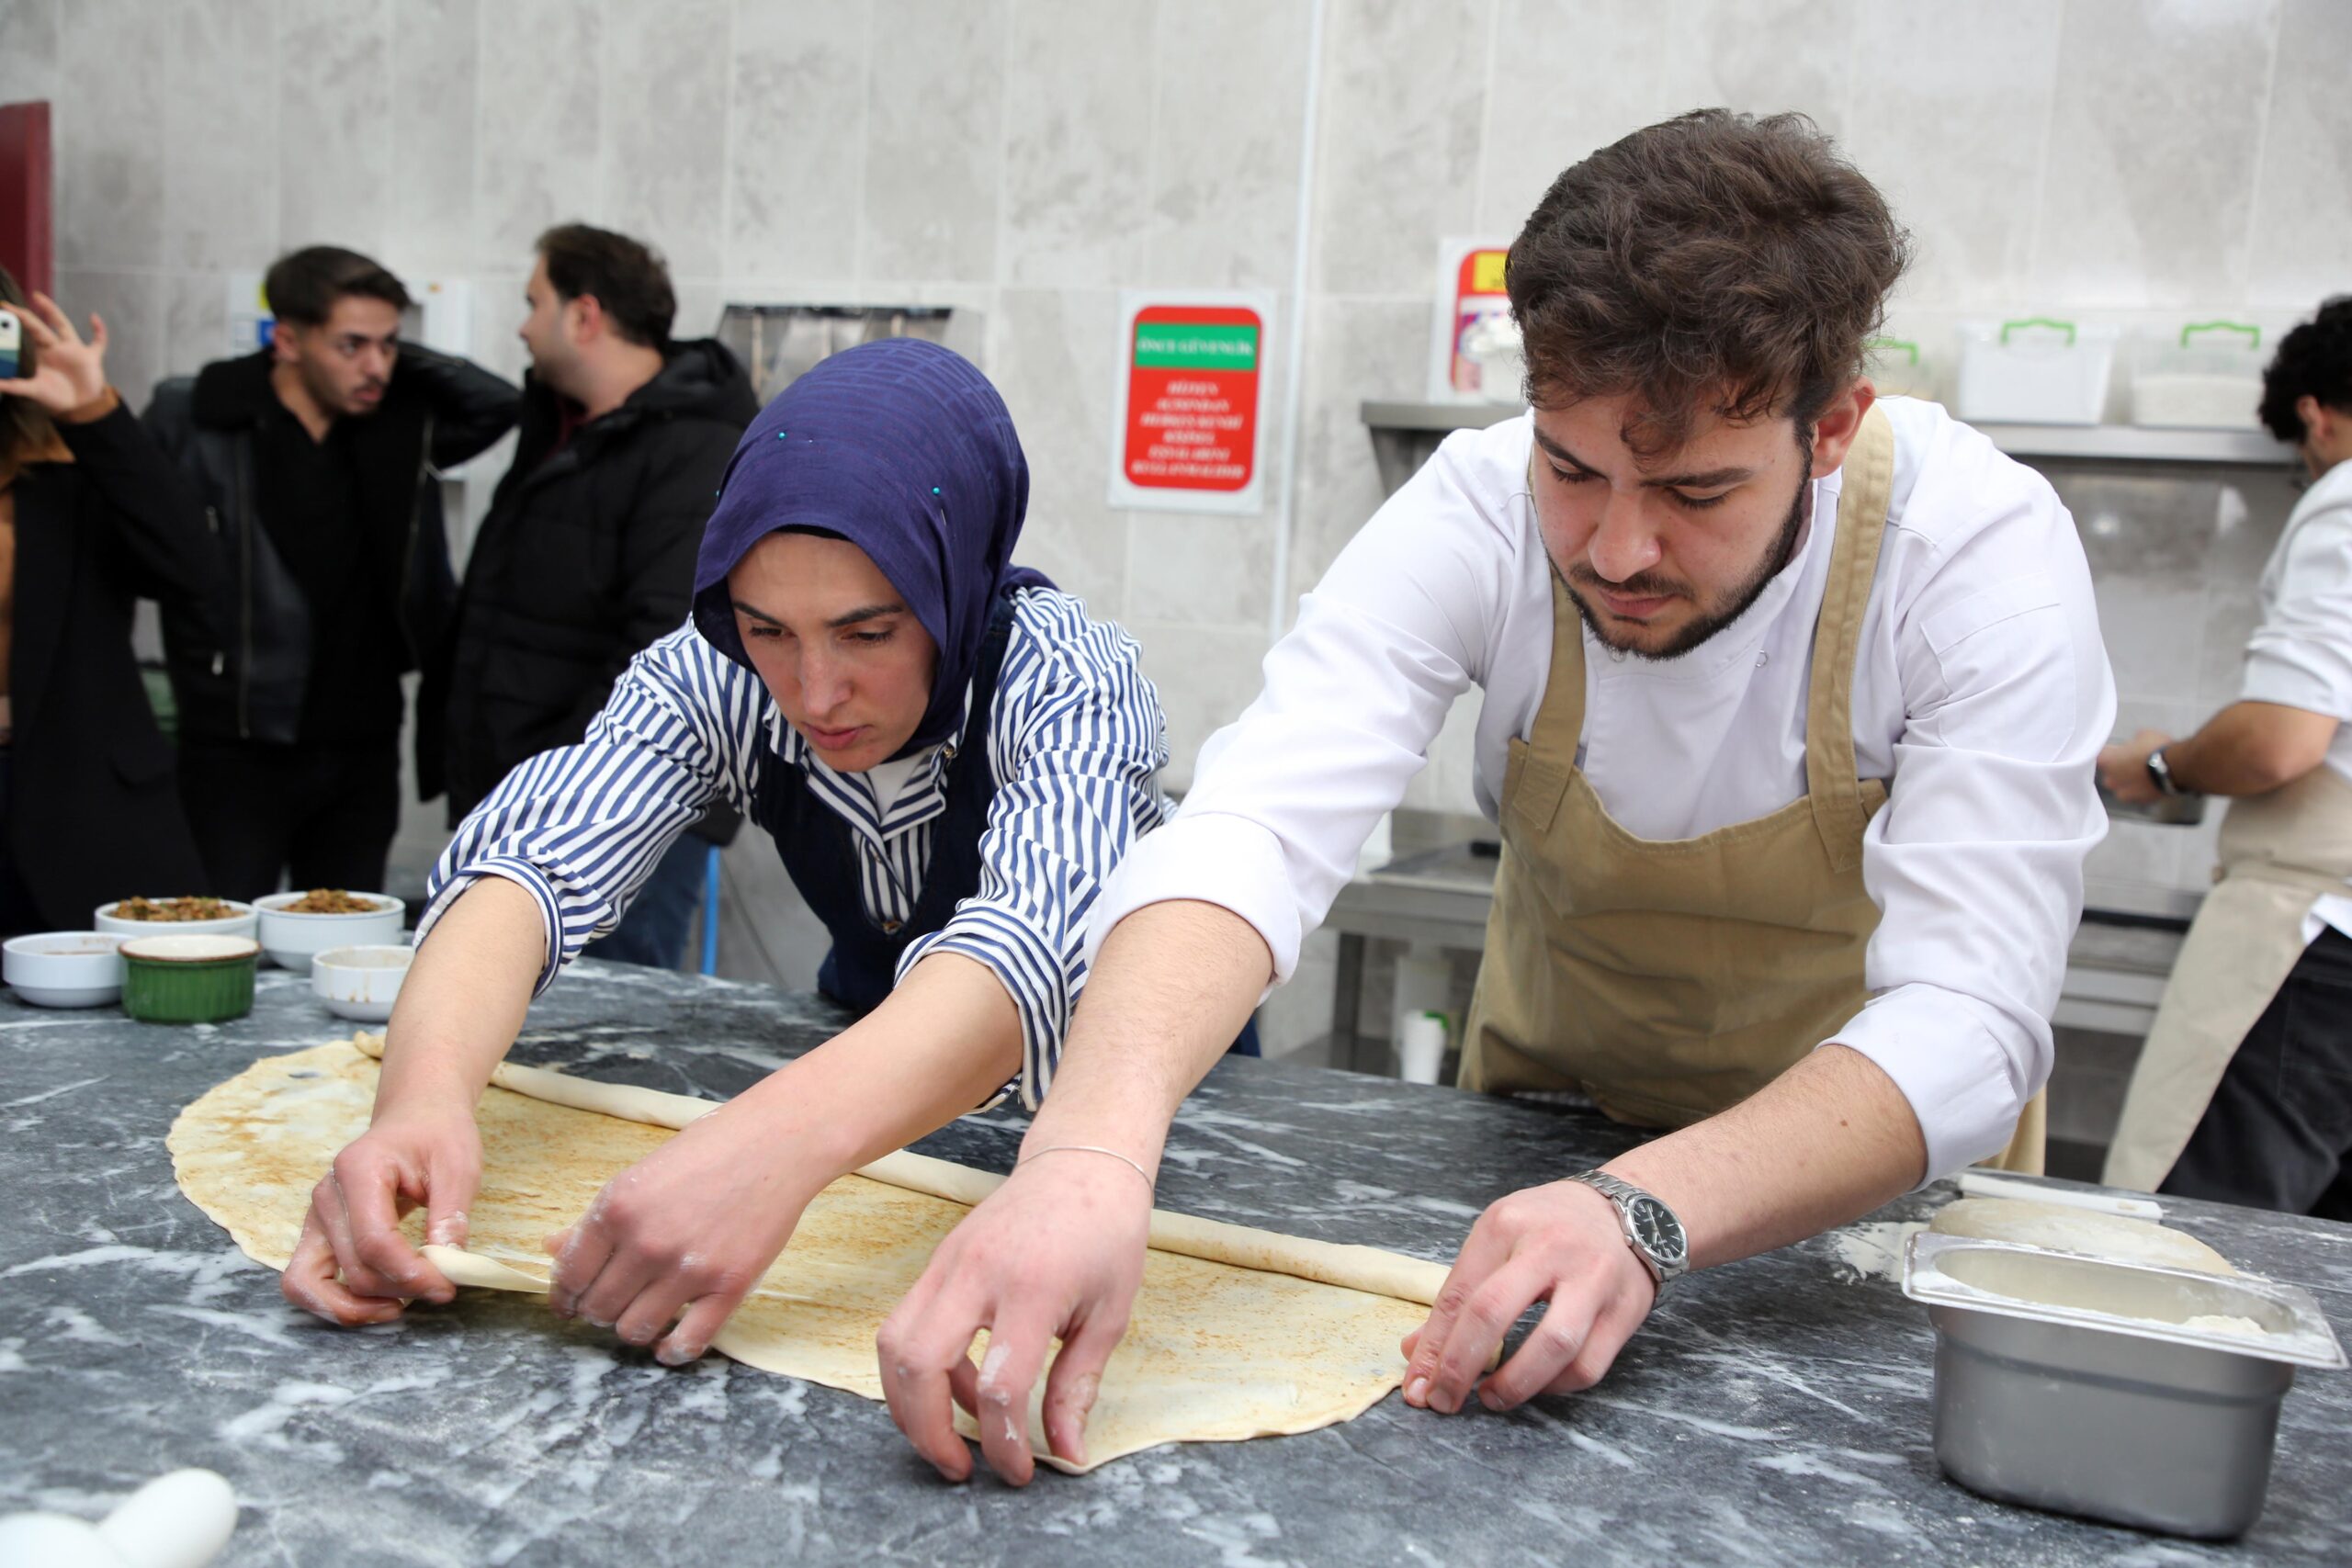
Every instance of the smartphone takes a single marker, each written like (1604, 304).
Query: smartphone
(10, 338)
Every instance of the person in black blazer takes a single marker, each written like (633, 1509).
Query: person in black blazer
(93, 517)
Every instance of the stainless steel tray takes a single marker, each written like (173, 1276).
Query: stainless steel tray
(2114, 1407)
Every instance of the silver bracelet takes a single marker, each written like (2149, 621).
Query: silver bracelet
(1089, 1149)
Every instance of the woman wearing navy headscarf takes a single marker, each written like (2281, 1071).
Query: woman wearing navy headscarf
(951, 758)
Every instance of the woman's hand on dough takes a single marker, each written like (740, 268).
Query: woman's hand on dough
(683, 1236)
(1052, 1254)
(353, 1265)
(1560, 1245)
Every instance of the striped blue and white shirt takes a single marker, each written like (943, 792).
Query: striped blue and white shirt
(1075, 745)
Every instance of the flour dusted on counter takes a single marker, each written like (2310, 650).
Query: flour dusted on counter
(1871, 1251)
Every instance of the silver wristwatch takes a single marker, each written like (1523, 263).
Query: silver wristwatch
(1650, 1227)
(2160, 774)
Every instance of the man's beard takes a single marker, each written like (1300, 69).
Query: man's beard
(1642, 585)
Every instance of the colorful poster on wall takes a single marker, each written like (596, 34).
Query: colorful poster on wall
(1188, 436)
(1473, 345)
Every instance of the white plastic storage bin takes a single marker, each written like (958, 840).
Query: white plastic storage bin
(2035, 371)
(1897, 368)
(2206, 377)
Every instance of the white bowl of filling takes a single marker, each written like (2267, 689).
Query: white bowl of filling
(296, 927)
(189, 916)
(64, 969)
(360, 983)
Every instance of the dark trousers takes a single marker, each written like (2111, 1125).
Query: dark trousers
(2279, 1134)
(323, 813)
(654, 927)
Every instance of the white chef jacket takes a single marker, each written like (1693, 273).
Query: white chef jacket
(2301, 656)
(1982, 695)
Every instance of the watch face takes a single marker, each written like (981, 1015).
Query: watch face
(1657, 1230)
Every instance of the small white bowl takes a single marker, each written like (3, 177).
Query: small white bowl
(241, 923)
(293, 939)
(64, 969)
(360, 983)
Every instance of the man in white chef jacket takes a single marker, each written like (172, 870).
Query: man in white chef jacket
(1792, 699)
(2243, 1092)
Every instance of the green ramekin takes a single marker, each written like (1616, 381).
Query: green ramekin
(189, 979)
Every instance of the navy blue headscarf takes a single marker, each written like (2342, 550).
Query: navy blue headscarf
(904, 449)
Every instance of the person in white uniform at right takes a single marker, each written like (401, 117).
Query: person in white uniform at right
(2244, 1092)
(1791, 704)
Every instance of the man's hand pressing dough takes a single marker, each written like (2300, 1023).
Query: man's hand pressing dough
(1560, 1245)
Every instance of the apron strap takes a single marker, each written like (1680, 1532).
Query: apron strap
(1558, 728)
(1830, 779)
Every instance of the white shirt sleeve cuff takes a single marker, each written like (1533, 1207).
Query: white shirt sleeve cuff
(1967, 1076)
(1212, 858)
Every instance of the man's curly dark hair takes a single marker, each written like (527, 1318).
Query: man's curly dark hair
(2312, 361)
(1717, 262)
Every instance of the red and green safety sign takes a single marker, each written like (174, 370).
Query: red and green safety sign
(1191, 399)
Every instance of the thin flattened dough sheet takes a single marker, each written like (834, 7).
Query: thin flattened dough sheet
(1214, 1351)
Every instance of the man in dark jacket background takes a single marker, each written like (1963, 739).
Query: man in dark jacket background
(317, 462)
(588, 552)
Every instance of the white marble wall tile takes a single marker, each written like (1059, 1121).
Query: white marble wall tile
(699, 301)
(1205, 570)
(195, 327)
(335, 124)
(131, 303)
(2302, 216)
(2149, 166)
(107, 135)
(1355, 349)
(437, 76)
(935, 139)
(1078, 142)
(540, 127)
(1952, 109)
(1765, 57)
(795, 167)
(1207, 675)
(1228, 81)
(27, 51)
(1616, 53)
(1404, 100)
(665, 128)
(219, 148)
(1050, 352)
(498, 312)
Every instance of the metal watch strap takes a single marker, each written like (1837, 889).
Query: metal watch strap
(1621, 1194)
(2160, 770)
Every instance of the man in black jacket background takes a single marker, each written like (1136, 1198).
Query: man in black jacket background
(317, 462)
(588, 552)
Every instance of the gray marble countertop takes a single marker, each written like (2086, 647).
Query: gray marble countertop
(1774, 1412)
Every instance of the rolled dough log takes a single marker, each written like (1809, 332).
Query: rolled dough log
(1212, 1352)
(1354, 1268)
(2067, 1229)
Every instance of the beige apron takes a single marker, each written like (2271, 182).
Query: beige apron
(1669, 979)
(2279, 853)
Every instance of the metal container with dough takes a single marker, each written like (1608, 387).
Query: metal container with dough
(2110, 1389)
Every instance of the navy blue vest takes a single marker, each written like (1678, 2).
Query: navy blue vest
(819, 849)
